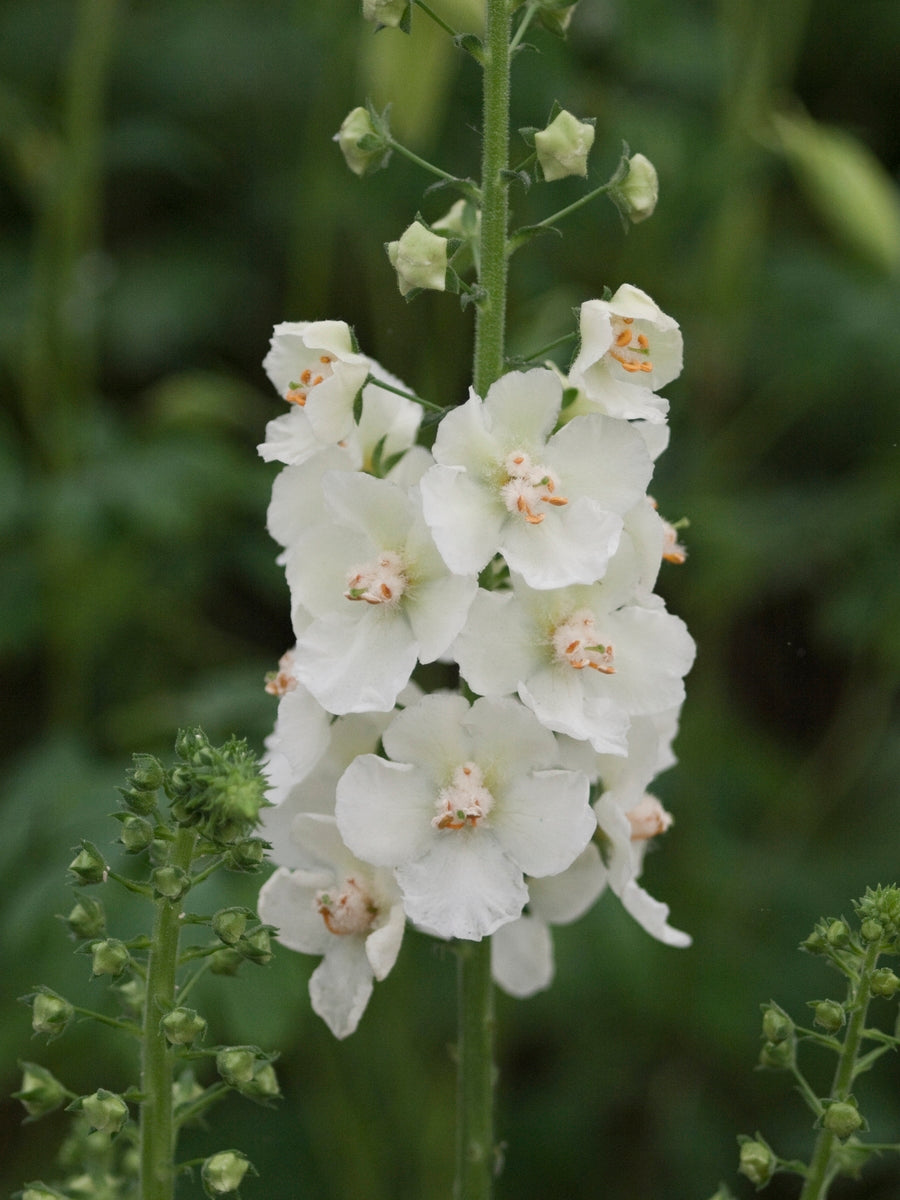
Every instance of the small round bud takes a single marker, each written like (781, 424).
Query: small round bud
(777, 1056)
(884, 982)
(838, 934)
(247, 855)
(419, 258)
(871, 931)
(385, 12)
(777, 1025)
(136, 834)
(828, 1015)
(181, 781)
(87, 919)
(50, 1012)
(816, 943)
(223, 1173)
(556, 17)
(229, 924)
(236, 1064)
(41, 1092)
(138, 801)
(842, 1118)
(88, 866)
(38, 1190)
(225, 961)
(637, 194)
(170, 883)
(263, 1085)
(563, 147)
(110, 957)
(757, 1162)
(182, 1026)
(363, 145)
(105, 1111)
(147, 773)
(132, 994)
(256, 946)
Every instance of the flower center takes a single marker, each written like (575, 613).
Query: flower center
(349, 911)
(648, 819)
(527, 485)
(465, 801)
(283, 680)
(630, 349)
(575, 642)
(381, 582)
(309, 378)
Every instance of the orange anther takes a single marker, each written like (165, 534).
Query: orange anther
(642, 341)
(386, 591)
(306, 376)
(624, 338)
(556, 501)
(318, 379)
(572, 647)
(326, 358)
(296, 396)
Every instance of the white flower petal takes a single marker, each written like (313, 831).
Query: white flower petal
(465, 519)
(558, 698)
(652, 915)
(562, 898)
(544, 822)
(522, 956)
(572, 545)
(432, 735)
(287, 900)
(354, 664)
(341, 985)
(497, 648)
(383, 944)
(384, 810)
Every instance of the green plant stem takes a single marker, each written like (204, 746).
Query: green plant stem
(475, 1073)
(157, 1137)
(422, 162)
(573, 207)
(490, 321)
(821, 1168)
(434, 16)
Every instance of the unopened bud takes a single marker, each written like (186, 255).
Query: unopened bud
(385, 12)
(110, 957)
(637, 194)
(236, 1064)
(884, 982)
(223, 1173)
(757, 1162)
(170, 883)
(105, 1111)
(136, 833)
(41, 1092)
(256, 946)
(247, 855)
(842, 1118)
(138, 801)
(777, 1056)
(838, 934)
(563, 147)
(263, 1085)
(147, 774)
(229, 924)
(88, 866)
(419, 258)
(364, 147)
(871, 931)
(132, 994)
(182, 1026)
(225, 961)
(828, 1015)
(556, 17)
(50, 1012)
(87, 919)
(777, 1025)
(38, 1190)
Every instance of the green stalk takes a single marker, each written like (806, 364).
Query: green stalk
(157, 1137)
(490, 321)
(821, 1168)
(475, 1073)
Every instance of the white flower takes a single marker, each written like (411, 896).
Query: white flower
(563, 147)
(345, 910)
(551, 505)
(371, 595)
(469, 805)
(313, 364)
(626, 340)
(419, 258)
(301, 732)
(583, 661)
(522, 951)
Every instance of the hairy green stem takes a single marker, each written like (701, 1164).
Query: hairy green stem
(822, 1168)
(475, 1073)
(157, 1138)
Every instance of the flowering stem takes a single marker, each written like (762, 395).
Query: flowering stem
(157, 1138)
(475, 1071)
(434, 16)
(822, 1168)
(570, 208)
(490, 323)
(421, 162)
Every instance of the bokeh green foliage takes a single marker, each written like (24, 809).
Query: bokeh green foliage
(168, 192)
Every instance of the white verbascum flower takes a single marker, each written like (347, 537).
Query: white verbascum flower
(563, 147)
(420, 259)
(551, 504)
(345, 910)
(470, 803)
(313, 364)
(625, 340)
(371, 594)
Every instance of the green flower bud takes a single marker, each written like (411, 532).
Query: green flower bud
(182, 1026)
(229, 924)
(871, 931)
(816, 943)
(147, 774)
(132, 994)
(419, 258)
(777, 1025)
(50, 1012)
(105, 1111)
(41, 1092)
(88, 866)
(842, 1118)
(170, 883)
(136, 834)
(563, 147)
(777, 1056)
(757, 1161)
(87, 919)
(223, 1173)
(385, 12)
(247, 855)
(110, 957)
(225, 961)
(555, 17)
(838, 934)
(186, 1089)
(257, 946)
(362, 144)
(236, 1064)
(264, 1084)
(39, 1191)
(884, 982)
(828, 1015)
(138, 801)
(637, 194)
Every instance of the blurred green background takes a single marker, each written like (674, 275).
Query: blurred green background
(169, 191)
